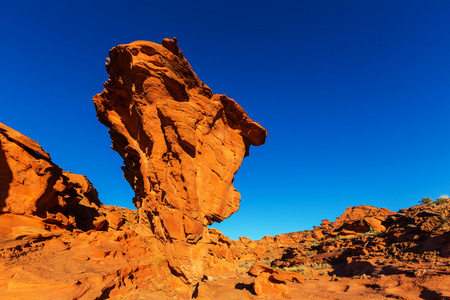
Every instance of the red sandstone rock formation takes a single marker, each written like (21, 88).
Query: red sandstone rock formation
(31, 184)
(181, 146)
(272, 282)
(44, 258)
(363, 218)
(57, 241)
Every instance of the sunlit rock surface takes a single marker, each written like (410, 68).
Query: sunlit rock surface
(31, 184)
(181, 146)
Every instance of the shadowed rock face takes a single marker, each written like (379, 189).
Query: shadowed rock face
(181, 146)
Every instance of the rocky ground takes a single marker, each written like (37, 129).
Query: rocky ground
(409, 259)
(406, 257)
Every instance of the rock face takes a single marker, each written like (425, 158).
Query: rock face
(31, 184)
(181, 146)
(57, 241)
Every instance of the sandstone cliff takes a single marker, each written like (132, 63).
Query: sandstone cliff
(181, 146)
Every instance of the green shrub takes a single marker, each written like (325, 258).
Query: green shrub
(425, 200)
(441, 200)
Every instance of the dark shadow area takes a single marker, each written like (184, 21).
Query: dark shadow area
(373, 286)
(246, 286)
(195, 293)
(391, 270)
(431, 295)
(6, 177)
(106, 291)
(85, 217)
(176, 89)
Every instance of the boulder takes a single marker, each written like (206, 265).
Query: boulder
(270, 282)
(361, 219)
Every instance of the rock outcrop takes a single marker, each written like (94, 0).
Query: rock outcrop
(31, 184)
(58, 241)
(360, 219)
(272, 282)
(181, 146)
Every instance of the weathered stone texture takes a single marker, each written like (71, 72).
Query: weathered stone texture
(181, 146)
(31, 184)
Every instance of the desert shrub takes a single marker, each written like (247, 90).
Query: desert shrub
(308, 269)
(342, 237)
(425, 200)
(308, 273)
(246, 264)
(302, 269)
(266, 261)
(442, 199)
(370, 232)
(157, 260)
(297, 269)
(317, 266)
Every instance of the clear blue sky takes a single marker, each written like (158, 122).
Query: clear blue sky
(354, 95)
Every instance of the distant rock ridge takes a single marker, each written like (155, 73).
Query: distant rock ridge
(181, 145)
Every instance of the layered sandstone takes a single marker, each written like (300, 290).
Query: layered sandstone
(181, 145)
(31, 184)
(57, 241)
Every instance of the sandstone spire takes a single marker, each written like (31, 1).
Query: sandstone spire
(181, 146)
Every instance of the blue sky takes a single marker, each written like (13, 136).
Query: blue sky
(354, 95)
